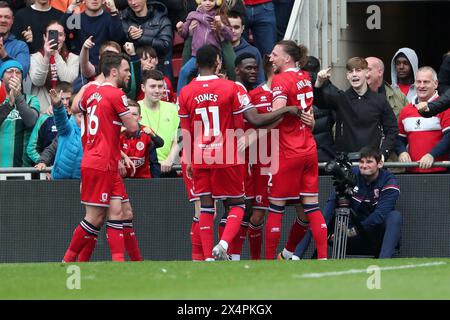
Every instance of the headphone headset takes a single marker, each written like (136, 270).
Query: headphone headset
(218, 2)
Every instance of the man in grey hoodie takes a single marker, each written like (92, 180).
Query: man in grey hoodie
(404, 66)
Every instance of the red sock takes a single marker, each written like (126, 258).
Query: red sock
(319, 232)
(206, 231)
(233, 224)
(298, 231)
(196, 242)
(81, 236)
(255, 240)
(88, 249)
(130, 241)
(114, 234)
(238, 241)
(273, 230)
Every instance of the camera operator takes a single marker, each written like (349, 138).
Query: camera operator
(375, 227)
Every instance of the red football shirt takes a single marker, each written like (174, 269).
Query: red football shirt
(103, 106)
(261, 99)
(211, 110)
(422, 134)
(294, 86)
(138, 150)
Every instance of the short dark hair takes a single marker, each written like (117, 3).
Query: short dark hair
(207, 56)
(4, 4)
(243, 56)
(152, 74)
(312, 65)
(146, 49)
(371, 151)
(236, 14)
(111, 60)
(64, 87)
(133, 103)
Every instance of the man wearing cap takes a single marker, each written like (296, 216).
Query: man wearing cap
(18, 114)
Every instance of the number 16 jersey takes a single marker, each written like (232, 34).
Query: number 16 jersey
(102, 108)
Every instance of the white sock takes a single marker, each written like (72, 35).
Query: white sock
(224, 244)
(294, 257)
(236, 257)
(287, 254)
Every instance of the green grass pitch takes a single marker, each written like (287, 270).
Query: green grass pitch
(246, 280)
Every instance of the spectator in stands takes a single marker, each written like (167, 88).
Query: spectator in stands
(424, 139)
(324, 119)
(146, 23)
(18, 114)
(240, 45)
(208, 24)
(429, 109)
(141, 150)
(10, 46)
(444, 75)
(89, 70)
(149, 61)
(260, 19)
(96, 22)
(363, 117)
(403, 72)
(47, 156)
(69, 150)
(42, 136)
(375, 76)
(52, 64)
(63, 5)
(283, 9)
(376, 228)
(30, 23)
(161, 117)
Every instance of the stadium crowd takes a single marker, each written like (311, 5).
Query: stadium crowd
(57, 46)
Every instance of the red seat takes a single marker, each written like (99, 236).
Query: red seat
(176, 66)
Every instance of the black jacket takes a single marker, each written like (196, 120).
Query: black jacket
(361, 121)
(437, 106)
(323, 133)
(157, 28)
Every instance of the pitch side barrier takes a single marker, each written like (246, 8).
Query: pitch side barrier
(37, 218)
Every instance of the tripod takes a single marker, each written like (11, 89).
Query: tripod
(342, 216)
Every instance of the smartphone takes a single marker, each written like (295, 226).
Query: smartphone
(53, 35)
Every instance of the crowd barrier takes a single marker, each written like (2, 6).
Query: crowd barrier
(37, 218)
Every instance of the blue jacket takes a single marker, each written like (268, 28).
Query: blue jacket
(372, 203)
(69, 152)
(17, 50)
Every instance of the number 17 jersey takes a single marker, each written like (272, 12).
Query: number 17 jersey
(102, 106)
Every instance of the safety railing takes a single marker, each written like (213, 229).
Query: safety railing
(25, 173)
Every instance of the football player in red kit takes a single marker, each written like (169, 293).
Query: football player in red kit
(105, 107)
(298, 162)
(211, 112)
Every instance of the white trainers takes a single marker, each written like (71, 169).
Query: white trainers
(220, 253)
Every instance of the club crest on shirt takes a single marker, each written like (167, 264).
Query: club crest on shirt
(140, 146)
(125, 100)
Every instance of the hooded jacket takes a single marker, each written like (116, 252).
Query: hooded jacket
(69, 151)
(414, 61)
(157, 28)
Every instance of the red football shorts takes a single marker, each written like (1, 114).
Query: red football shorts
(188, 183)
(249, 182)
(96, 187)
(296, 177)
(119, 190)
(220, 183)
(260, 181)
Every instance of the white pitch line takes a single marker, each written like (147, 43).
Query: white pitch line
(355, 271)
